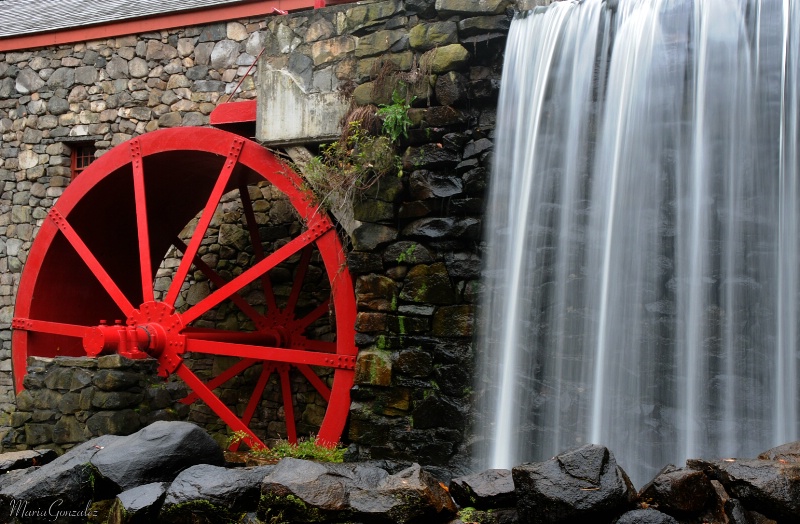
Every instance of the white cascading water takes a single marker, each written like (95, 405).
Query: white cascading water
(642, 278)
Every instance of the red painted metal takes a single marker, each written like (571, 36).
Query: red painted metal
(233, 113)
(96, 255)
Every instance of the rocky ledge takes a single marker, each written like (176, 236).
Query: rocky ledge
(173, 472)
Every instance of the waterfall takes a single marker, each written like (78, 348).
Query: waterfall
(641, 279)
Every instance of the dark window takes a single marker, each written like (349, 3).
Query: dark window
(82, 156)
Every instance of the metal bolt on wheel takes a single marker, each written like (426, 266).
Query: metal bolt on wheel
(88, 285)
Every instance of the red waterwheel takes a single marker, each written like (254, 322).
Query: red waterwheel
(88, 284)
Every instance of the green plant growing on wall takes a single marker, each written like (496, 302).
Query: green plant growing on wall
(346, 168)
(395, 116)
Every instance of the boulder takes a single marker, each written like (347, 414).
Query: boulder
(786, 453)
(214, 492)
(411, 495)
(156, 453)
(645, 516)
(678, 492)
(68, 480)
(25, 459)
(581, 485)
(139, 505)
(493, 488)
(769, 487)
(304, 491)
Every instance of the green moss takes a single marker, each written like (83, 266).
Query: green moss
(408, 255)
(308, 449)
(280, 509)
(468, 515)
(401, 324)
(201, 511)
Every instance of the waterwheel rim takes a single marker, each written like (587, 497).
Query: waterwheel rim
(96, 255)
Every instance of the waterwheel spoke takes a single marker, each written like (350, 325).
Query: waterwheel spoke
(91, 262)
(218, 281)
(205, 219)
(312, 317)
(299, 277)
(222, 378)
(50, 328)
(216, 405)
(255, 397)
(235, 285)
(255, 241)
(291, 356)
(141, 221)
(288, 407)
(314, 380)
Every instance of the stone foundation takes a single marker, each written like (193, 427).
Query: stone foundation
(70, 400)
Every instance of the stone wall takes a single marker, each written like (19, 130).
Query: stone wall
(415, 250)
(71, 400)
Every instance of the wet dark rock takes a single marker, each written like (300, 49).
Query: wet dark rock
(678, 491)
(139, 505)
(645, 516)
(475, 181)
(730, 510)
(454, 380)
(373, 210)
(483, 24)
(493, 488)
(156, 454)
(441, 116)
(360, 262)
(407, 252)
(414, 363)
(417, 209)
(67, 478)
(437, 411)
(787, 453)
(440, 227)
(376, 292)
(425, 184)
(463, 265)
(305, 491)
(367, 236)
(451, 88)
(221, 492)
(25, 459)
(434, 446)
(581, 485)
(478, 147)
(429, 156)
(454, 321)
(370, 322)
(767, 486)
(386, 188)
(428, 284)
(411, 495)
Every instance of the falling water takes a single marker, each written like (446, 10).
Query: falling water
(642, 277)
